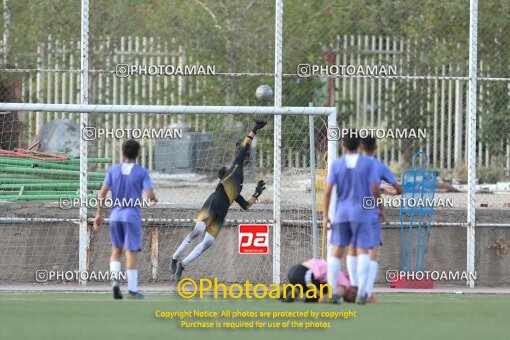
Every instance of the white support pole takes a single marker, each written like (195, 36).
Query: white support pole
(278, 42)
(471, 208)
(84, 99)
(332, 155)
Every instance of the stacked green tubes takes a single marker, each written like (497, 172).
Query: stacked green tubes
(23, 179)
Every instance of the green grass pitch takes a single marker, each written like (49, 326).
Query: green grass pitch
(396, 316)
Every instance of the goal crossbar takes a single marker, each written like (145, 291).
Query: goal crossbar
(167, 109)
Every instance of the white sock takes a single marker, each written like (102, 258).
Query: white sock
(334, 266)
(115, 272)
(372, 274)
(329, 246)
(199, 249)
(182, 248)
(197, 230)
(363, 269)
(132, 279)
(352, 269)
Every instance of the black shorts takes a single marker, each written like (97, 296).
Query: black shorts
(213, 212)
(297, 275)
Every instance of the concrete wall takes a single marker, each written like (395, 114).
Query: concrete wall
(27, 248)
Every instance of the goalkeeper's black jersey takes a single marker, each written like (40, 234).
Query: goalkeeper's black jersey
(232, 182)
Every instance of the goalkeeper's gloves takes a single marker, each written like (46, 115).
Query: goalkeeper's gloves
(259, 124)
(261, 186)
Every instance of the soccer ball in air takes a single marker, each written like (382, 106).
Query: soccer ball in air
(264, 92)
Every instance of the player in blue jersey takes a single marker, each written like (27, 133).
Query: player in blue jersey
(368, 146)
(355, 179)
(127, 181)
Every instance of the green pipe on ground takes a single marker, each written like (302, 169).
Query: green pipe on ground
(18, 177)
(48, 165)
(36, 164)
(59, 178)
(65, 178)
(21, 179)
(50, 172)
(70, 186)
(74, 160)
(39, 192)
(43, 165)
(40, 197)
(16, 161)
(90, 160)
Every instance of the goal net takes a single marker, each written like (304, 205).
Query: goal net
(183, 148)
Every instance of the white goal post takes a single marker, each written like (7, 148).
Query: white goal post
(329, 112)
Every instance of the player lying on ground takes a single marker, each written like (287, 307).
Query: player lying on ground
(127, 181)
(314, 272)
(355, 179)
(368, 146)
(212, 215)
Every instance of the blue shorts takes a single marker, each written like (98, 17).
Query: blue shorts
(359, 234)
(126, 235)
(377, 234)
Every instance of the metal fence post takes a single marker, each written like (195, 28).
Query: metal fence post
(277, 140)
(84, 98)
(471, 207)
(311, 126)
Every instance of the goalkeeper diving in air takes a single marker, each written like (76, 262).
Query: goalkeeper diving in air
(212, 215)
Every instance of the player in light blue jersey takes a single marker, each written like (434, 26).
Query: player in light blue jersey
(355, 179)
(368, 146)
(127, 181)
